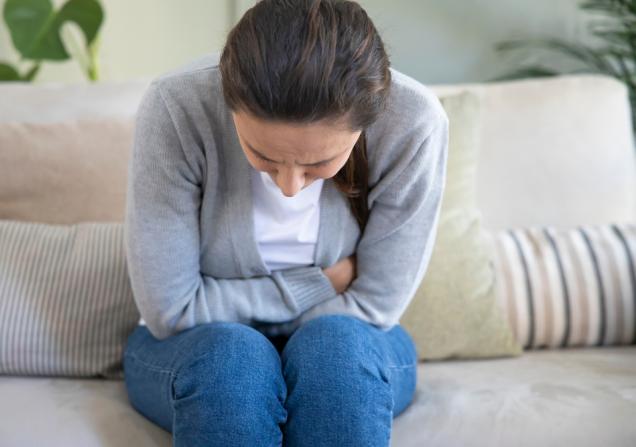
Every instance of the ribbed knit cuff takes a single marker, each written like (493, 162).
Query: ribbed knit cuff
(308, 286)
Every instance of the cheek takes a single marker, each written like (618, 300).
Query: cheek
(326, 172)
(329, 171)
(259, 164)
(323, 172)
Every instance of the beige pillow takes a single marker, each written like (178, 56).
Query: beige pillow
(455, 312)
(65, 172)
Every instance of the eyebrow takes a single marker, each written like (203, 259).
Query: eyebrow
(302, 164)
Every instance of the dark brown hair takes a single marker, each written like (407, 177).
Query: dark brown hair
(302, 61)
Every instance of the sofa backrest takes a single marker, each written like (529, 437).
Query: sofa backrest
(64, 150)
(556, 151)
(55, 101)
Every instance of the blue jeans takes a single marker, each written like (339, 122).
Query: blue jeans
(335, 381)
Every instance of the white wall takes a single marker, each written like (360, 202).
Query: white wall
(435, 41)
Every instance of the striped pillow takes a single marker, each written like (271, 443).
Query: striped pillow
(66, 306)
(568, 287)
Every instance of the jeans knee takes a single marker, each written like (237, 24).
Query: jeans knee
(226, 358)
(331, 324)
(229, 387)
(333, 335)
(334, 367)
(339, 343)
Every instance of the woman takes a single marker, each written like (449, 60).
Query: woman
(282, 209)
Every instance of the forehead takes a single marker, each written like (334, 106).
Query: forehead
(277, 138)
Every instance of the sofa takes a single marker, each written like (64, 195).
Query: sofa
(537, 148)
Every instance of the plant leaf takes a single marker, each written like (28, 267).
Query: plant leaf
(88, 14)
(32, 72)
(35, 27)
(27, 19)
(610, 7)
(530, 71)
(8, 73)
(587, 56)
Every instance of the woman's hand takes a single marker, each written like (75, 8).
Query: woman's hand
(342, 273)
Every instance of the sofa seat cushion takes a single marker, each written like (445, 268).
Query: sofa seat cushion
(583, 397)
(569, 397)
(62, 411)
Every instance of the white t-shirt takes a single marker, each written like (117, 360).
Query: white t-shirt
(285, 228)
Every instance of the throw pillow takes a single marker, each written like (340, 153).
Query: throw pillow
(66, 306)
(65, 172)
(455, 313)
(568, 287)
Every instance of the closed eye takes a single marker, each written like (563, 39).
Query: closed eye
(264, 159)
(322, 163)
(315, 165)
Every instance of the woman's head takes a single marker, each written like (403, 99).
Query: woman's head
(303, 79)
(294, 155)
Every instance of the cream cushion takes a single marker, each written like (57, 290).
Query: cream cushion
(455, 312)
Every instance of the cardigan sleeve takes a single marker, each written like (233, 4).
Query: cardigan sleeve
(162, 241)
(394, 252)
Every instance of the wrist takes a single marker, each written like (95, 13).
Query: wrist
(328, 273)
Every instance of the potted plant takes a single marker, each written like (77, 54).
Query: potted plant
(40, 33)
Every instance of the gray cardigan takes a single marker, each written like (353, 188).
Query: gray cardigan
(189, 237)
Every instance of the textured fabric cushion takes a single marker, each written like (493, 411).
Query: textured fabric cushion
(66, 172)
(554, 150)
(454, 312)
(568, 287)
(66, 306)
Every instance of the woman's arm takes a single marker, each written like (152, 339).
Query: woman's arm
(162, 239)
(394, 252)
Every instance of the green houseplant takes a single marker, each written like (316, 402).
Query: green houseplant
(615, 55)
(40, 33)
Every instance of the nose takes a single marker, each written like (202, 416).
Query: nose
(290, 182)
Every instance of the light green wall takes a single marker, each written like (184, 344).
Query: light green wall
(143, 37)
(435, 41)
(440, 41)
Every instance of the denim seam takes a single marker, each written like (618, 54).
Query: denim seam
(402, 366)
(149, 365)
(175, 373)
(196, 359)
